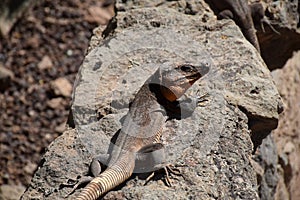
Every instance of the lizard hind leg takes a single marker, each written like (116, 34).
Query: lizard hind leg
(95, 169)
(148, 157)
(95, 166)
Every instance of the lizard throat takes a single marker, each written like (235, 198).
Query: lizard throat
(172, 93)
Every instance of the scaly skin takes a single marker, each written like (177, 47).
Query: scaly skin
(143, 123)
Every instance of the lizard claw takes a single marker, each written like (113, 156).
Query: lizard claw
(149, 178)
(170, 169)
(203, 100)
(265, 20)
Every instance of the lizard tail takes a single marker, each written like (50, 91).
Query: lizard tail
(110, 178)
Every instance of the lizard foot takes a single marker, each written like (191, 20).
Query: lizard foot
(265, 20)
(185, 106)
(168, 169)
(83, 180)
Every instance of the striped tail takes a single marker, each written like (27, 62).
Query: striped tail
(110, 178)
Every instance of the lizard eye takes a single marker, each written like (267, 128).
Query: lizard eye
(187, 68)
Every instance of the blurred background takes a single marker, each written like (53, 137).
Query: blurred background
(42, 45)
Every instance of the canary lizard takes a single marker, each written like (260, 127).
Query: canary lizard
(139, 137)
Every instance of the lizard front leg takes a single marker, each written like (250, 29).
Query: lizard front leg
(258, 16)
(225, 14)
(185, 106)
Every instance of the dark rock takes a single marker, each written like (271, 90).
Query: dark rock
(277, 49)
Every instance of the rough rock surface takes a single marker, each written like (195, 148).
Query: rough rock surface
(287, 135)
(282, 15)
(212, 148)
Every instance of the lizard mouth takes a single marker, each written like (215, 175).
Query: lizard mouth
(193, 78)
(177, 82)
(193, 73)
(189, 79)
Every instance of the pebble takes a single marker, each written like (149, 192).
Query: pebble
(45, 63)
(55, 103)
(30, 168)
(61, 128)
(62, 86)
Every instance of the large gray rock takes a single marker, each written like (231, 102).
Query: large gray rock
(282, 15)
(212, 148)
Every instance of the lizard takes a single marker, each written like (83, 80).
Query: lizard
(259, 17)
(159, 97)
(240, 12)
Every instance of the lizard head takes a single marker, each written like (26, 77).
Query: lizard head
(177, 79)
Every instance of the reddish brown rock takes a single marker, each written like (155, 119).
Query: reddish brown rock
(61, 87)
(45, 63)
